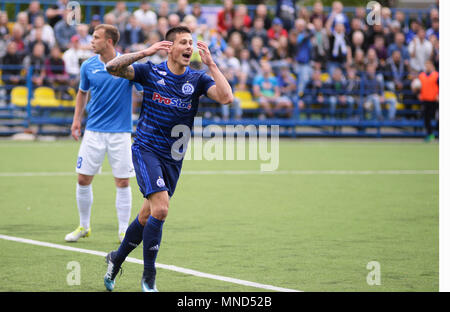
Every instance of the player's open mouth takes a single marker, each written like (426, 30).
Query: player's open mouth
(186, 56)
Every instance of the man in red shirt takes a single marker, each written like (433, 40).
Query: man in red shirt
(275, 32)
(225, 17)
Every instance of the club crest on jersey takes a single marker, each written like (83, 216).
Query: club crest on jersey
(171, 101)
(160, 182)
(187, 88)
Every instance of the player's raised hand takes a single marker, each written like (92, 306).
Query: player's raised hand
(205, 54)
(158, 46)
(76, 129)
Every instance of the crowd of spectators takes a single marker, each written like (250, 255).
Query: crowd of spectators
(288, 57)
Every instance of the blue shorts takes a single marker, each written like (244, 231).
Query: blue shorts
(153, 173)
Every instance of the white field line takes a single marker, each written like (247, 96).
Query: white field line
(246, 172)
(158, 265)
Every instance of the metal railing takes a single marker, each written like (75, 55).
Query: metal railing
(410, 120)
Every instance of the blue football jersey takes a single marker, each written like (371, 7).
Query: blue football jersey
(109, 108)
(169, 100)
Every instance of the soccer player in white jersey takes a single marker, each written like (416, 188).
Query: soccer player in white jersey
(108, 131)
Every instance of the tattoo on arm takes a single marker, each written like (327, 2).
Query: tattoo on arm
(121, 66)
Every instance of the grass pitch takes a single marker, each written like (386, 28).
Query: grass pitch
(333, 207)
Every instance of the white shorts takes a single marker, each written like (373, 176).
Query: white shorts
(92, 153)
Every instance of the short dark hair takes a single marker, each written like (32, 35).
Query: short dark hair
(111, 32)
(172, 33)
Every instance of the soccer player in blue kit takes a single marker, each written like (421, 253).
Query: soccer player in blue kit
(171, 95)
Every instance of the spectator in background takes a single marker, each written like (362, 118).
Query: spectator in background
(182, 9)
(391, 32)
(17, 36)
(395, 72)
(34, 9)
(429, 95)
(317, 12)
(337, 16)
(353, 85)
(22, 20)
(314, 93)
(386, 17)
(11, 74)
(37, 38)
(399, 16)
(257, 53)
(281, 53)
(337, 88)
(4, 31)
(359, 61)
(372, 58)
(95, 21)
(372, 32)
(109, 19)
(55, 72)
(262, 12)
(217, 44)
(286, 11)
(303, 13)
(73, 58)
(163, 10)
(236, 42)
(37, 60)
(85, 37)
(159, 56)
(133, 34)
(174, 20)
(191, 22)
(357, 41)
(121, 15)
(56, 12)
(414, 26)
(399, 44)
(48, 35)
(145, 16)
(380, 49)
(303, 55)
(355, 26)
(434, 14)
(340, 52)
(360, 18)
(241, 13)
(225, 17)
(374, 95)
(198, 13)
(64, 31)
(288, 86)
(267, 92)
(162, 27)
(246, 67)
(275, 32)
(435, 55)
(434, 29)
(232, 80)
(238, 26)
(420, 50)
(258, 30)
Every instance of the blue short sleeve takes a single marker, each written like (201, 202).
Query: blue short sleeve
(206, 82)
(140, 71)
(84, 81)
